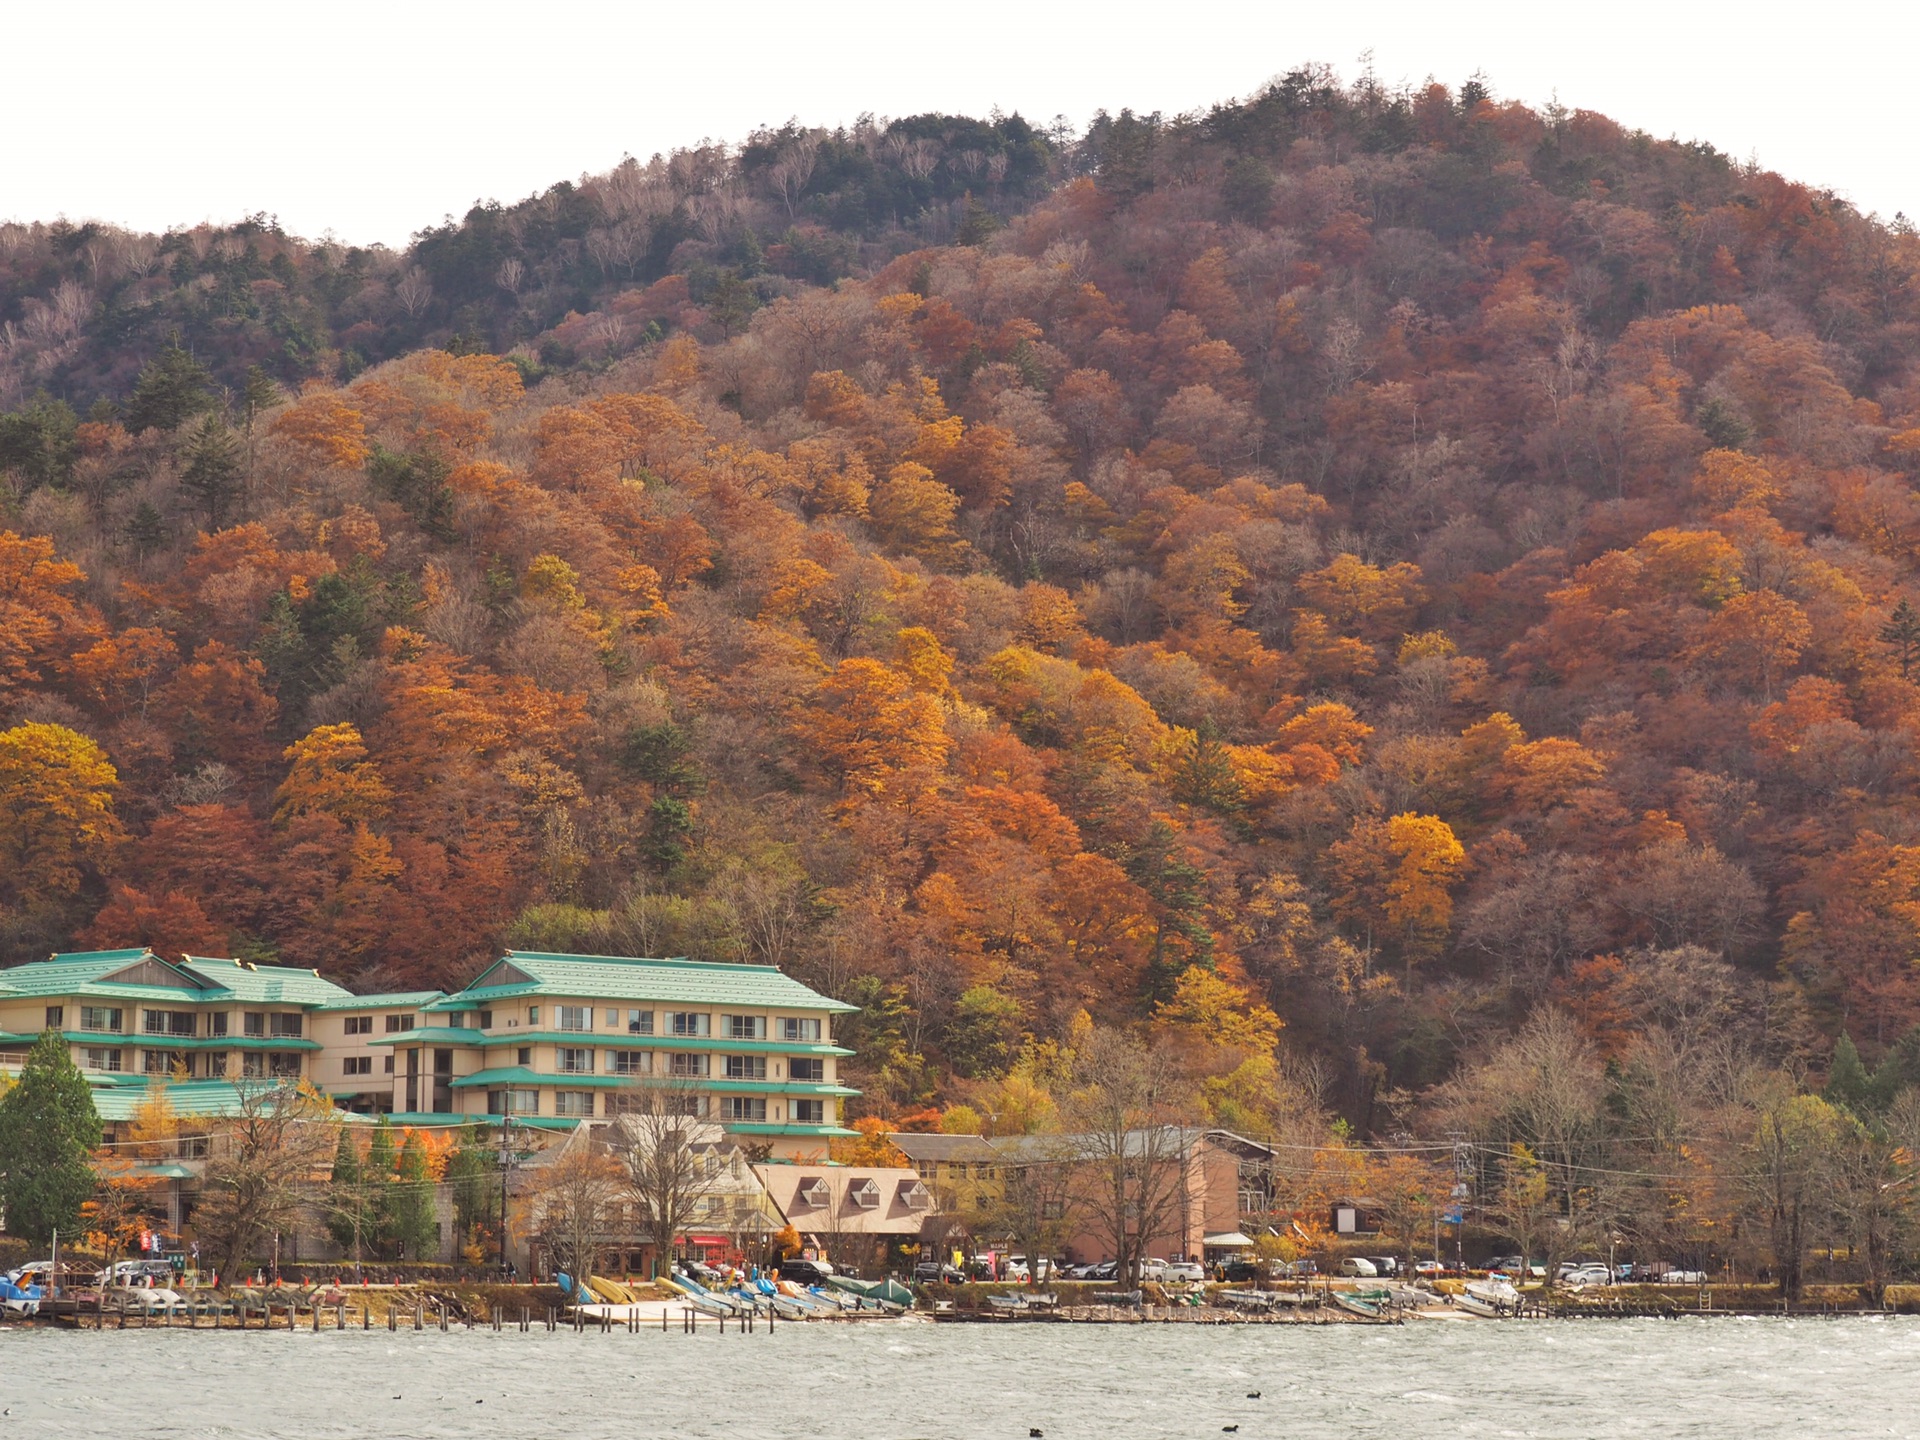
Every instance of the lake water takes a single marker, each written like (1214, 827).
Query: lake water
(1750, 1379)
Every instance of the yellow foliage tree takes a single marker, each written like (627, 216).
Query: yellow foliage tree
(1394, 876)
(56, 811)
(331, 775)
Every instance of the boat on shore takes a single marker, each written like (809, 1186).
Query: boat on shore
(1495, 1298)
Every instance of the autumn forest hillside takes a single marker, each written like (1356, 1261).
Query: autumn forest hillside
(1334, 579)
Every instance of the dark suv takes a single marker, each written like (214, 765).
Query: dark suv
(932, 1272)
(805, 1272)
(1242, 1272)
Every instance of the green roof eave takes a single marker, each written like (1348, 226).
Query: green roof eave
(754, 1127)
(115, 1039)
(427, 1035)
(722, 1084)
(517, 1075)
(414, 998)
(664, 981)
(608, 1040)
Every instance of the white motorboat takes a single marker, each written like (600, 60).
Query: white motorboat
(1493, 1297)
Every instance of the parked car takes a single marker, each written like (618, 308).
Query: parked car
(703, 1272)
(1586, 1275)
(933, 1272)
(1385, 1264)
(1189, 1272)
(1017, 1268)
(1684, 1277)
(1105, 1270)
(1300, 1269)
(1244, 1272)
(1430, 1269)
(1516, 1266)
(805, 1272)
(1154, 1271)
(1357, 1265)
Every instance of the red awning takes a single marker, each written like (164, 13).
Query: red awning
(708, 1240)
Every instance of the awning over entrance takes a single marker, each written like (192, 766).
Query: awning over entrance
(1231, 1240)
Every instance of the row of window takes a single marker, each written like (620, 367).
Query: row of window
(579, 1060)
(363, 1024)
(726, 1108)
(210, 1065)
(181, 1024)
(687, 1024)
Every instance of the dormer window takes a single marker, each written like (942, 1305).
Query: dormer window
(813, 1193)
(866, 1194)
(916, 1196)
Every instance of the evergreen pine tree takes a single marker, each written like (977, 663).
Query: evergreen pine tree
(414, 1226)
(349, 1198)
(1902, 633)
(379, 1182)
(172, 388)
(212, 472)
(1847, 1081)
(48, 1127)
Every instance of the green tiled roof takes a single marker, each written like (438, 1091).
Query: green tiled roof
(743, 1127)
(187, 1097)
(86, 972)
(415, 998)
(267, 984)
(620, 977)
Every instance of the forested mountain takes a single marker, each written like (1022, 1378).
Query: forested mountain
(1354, 571)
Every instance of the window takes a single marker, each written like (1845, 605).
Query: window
(866, 1195)
(796, 1029)
(689, 1066)
(573, 1060)
(254, 1023)
(573, 1102)
(639, 1022)
(399, 1024)
(386, 1065)
(683, 1022)
(486, 1019)
(613, 1019)
(575, 1017)
(56, 1017)
(288, 1026)
(217, 1065)
(100, 1017)
(916, 1196)
(1053, 1209)
(252, 1065)
(523, 1055)
(160, 1062)
(194, 1147)
(357, 1065)
(746, 1067)
(742, 1107)
(100, 1058)
(809, 1112)
(813, 1193)
(217, 1023)
(359, 1024)
(513, 1102)
(630, 1062)
(692, 1105)
(746, 1027)
(813, 1071)
(533, 1014)
(167, 1022)
(283, 1067)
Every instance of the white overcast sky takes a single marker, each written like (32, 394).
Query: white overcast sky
(372, 120)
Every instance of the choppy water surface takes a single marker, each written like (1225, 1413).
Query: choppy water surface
(1746, 1378)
